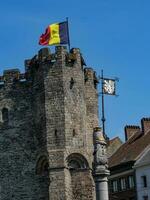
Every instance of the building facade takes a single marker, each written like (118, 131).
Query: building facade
(122, 180)
(122, 183)
(47, 116)
(142, 172)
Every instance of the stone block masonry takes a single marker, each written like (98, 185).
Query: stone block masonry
(47, 116)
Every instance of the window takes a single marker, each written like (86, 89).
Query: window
(131, 181)
(5, 115)
(144, 181)
(72, 82)
(114, 186)
(42, 177)
(42, 166)
(132, 198)
(145, 197)
(123, 183)
(74, 164)
(77, 161)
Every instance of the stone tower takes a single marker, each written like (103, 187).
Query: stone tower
(47, 116)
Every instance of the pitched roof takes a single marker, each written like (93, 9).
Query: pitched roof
(131, 149)
(144, 158)
(113, 145)
(115, 139)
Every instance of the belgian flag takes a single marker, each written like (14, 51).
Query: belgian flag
(57, 33)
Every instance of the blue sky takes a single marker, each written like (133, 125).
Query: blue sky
(112, 34)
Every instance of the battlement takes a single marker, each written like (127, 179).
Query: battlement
(90, 76)
(11, 76)
(44, 56)
(60, 58)
(61, 55)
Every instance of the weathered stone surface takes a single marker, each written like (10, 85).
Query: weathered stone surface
(46, 124)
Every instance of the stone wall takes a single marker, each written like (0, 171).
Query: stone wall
(17, 142)
(52, 110)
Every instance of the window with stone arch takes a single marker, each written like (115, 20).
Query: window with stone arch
(4, 115)
(80, 177)
(42, 166)
(42, 175)
(77, 161)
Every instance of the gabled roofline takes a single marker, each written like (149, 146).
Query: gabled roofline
(140, 157)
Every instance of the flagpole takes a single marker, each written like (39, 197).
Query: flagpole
(68, 33)
(103, 111)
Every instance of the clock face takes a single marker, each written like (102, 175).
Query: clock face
(109, 86)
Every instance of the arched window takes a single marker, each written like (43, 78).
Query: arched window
(5, 117)
(80, 177)
(77, 161)
(42, 172)
(42, 166)
(74, 164)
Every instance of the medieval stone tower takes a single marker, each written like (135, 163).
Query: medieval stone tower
(47, 116)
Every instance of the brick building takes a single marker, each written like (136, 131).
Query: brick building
(46, 128)
(122, 180)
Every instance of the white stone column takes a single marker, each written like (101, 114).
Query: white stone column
(100, 165)
(101, 186)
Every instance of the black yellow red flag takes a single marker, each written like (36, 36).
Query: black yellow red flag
(55, 34)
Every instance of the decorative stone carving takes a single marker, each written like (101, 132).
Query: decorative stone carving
(100, 157)
(100, 165)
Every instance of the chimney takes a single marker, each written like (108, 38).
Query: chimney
(130, 130)
(145, 123)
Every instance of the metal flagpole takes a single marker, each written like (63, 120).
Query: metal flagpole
(103, 111)
(68, 33)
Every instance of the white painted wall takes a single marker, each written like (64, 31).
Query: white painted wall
(142, 191)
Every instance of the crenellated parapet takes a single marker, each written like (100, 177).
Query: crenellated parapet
(12, 76)
(90, 77)
(61, 56)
